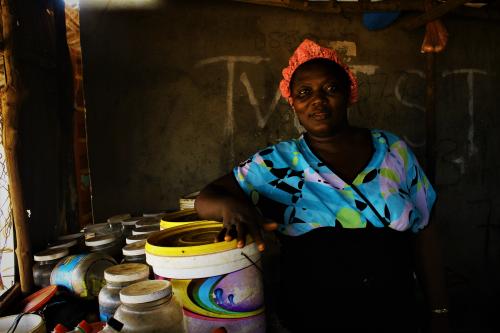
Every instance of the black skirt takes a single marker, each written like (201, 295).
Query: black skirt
(347, 280)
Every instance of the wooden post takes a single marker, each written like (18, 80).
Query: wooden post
(430, 117)
(10, 133)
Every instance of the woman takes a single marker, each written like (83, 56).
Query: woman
(351, 207)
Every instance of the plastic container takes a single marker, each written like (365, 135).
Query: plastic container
(129, 224)
(154, 214)
(27, 323)
(118, 277)
(136, 238)
(145, 230)
(175, 219)
(45, 261)
(92, 230)
(150, 307)
(219, 284)
(118, 218)
(80, 239)
(107, 244)
(135, 252)
(82, 274)
(148, 222)
(187, 201)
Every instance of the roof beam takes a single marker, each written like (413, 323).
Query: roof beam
(432, 14)
(337, 7)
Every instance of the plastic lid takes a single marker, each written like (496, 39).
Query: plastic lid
(145, 291)
(135, 238)
(146, 230)
(132, 220)
(100, 240)
(148, 221)
(64, 243)
(92, 227)
(119, 217)
(126, 272)
(71, 236)
(35, 301)
(190, 240)
(51, 254)
(135, 249)
(158, 214)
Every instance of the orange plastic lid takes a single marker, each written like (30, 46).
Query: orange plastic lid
(36, 300)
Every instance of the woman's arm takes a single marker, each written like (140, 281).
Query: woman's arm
(224, 200)
(431, 275)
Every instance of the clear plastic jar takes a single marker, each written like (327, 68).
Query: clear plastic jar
(107, 244)
(118, 277)
(45, 261)
(150, 307)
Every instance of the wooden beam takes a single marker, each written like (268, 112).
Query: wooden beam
(335, 7)
(432, 14)
(430, 117)
(10, 133)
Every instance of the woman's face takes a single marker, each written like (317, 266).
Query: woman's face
(319, 100)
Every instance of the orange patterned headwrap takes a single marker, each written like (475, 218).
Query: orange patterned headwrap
(309, 50)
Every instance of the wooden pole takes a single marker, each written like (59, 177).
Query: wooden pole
(335, 7)
(430, 117)
(10, 142)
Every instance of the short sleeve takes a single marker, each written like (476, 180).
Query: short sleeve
(421, 192)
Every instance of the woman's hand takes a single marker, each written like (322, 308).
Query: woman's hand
(240, 218)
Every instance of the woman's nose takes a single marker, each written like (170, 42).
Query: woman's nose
(319, 98)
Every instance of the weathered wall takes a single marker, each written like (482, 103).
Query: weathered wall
(177, 95)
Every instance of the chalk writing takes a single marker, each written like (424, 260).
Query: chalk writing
(230, 64)
(471, 147)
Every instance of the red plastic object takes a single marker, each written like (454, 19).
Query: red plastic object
(60, 329)
(85, 326)
(35, 301)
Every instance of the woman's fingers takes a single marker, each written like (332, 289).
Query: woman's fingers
(257, 237)
(220, 236)
(241, 230)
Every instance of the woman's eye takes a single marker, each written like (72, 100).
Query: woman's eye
(331, 88)
(302, 93)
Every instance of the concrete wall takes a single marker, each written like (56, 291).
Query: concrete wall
(178, 94)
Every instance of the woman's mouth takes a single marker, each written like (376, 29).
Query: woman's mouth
(320, 115)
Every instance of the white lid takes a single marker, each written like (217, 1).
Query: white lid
(71, 236)
(90, 227)
(51, 254)
(100, 240)
(63, 244)
(135, 249)
(159, 214)
(136, 238)
(132, 220)
(126, 272)
(148, 221)
(119, 217)
(145, 230)
(145, 291)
